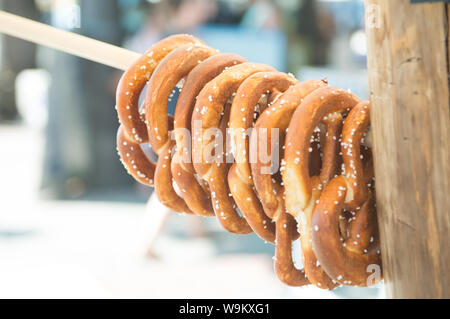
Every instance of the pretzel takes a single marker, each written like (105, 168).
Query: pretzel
(170, 71)
(243, 112)
(357, 175)
(133, 130)
(338, 229)
(320, 104)
(208, 113)
(324, 105)
(198, 198)
(346, 257)
(277, 117)
(134, 159)
(269, 190)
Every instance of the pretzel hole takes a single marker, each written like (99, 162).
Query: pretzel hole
(149, 153)
(141, 100)
(173, 97)
(315, 158)
(260, 143)
(297, 255)
(177, 189)
(343, 226)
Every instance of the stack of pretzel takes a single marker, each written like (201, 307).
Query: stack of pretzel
(323, 191)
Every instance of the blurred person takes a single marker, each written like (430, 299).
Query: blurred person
(15, 56)
(187, 15)
(150, 30)
(311, 29)
(80, 151)
(262, 14)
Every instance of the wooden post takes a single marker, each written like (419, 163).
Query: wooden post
(408, 62)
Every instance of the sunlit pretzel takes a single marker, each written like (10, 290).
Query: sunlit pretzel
(223, 91)
(170, 71)
(278, 118)
(324, 105)
(268, 188)
(320, 104)
(244, 109)
(133, 130)
(208, 113)
(346, 253)
(197, 199)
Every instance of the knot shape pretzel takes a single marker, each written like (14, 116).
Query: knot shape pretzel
(278, 117)
(346, 255)
(133, 130)
(269, 190)
(242, 117)
(324, 105)
(320, 129)
(170, 71)
(208, 113)
(183, 172)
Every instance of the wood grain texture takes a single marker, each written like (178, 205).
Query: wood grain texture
(408, 58)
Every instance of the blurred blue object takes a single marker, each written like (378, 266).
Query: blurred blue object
(267, 46)
(348, 15)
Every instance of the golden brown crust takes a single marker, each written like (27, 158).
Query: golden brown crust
(133, 129)
(285, 268)
(346, 260)
(346, 241)
(197, 199)
(277, 117)
(313, 269)
(163, 182)
(209, 113)
(243, 111)
(330, 159)
(335, 214)
(134, 160)
(302, 191)
(183, 171)
(271, 192)
(242, 117)
(174, 67)
(320, 103)
(170, 71)
(133, 81)
(224, 205)
(210, 106)
(250, 206)
(356, 124)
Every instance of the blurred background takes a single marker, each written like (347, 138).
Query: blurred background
(72, 222)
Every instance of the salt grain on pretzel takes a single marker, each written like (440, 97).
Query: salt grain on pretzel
(133, 129)
(347, 259)
(302, 190)
(170, 71)
(271, 192)
(239, 176)
(208, 112)
(327, 176)
(183, 171)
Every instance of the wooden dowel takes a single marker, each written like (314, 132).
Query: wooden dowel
(410, 118)
(69, 42)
